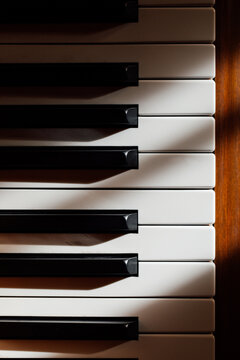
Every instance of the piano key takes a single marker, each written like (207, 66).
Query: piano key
(175, 2)
(155, 279)
(69, 265)
(68, 328)
(69, 221)
(151, 243)
(156, 97)
(120, 11)
(155, 171)
(164, 134)
(155, 207)
(69, 116)
(69, 74)
(155, 315)
(148, 347)
(167, 25)
(70, 12)
(155, 61)
(49, 157)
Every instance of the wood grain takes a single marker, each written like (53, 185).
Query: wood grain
(228, 178)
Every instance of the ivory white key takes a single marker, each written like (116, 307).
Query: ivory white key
(163, 134)
(181, 25)
(155, 315)
(155, 279)
(152, 243)
(155, 171)
(175, 2)
(148, 347)
(156, 97)
(155, 61)
(155, 207)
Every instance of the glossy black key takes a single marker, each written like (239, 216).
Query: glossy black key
(68, 265)
(69, 157)
(71, 11)
(69, 74)
(69, 221)
(68, 328)
(69, 116)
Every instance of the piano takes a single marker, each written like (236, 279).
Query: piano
(107, 176)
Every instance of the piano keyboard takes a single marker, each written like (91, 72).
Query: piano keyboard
(107, 176)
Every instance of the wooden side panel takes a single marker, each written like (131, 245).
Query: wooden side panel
(228, 178)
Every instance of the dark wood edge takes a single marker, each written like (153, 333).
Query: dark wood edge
(228, 179)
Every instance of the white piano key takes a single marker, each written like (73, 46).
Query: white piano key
(156, 279)
(181, 25)
(155, 315)
(156, 97)
(175, 2)
(163, 134)
(152, 243)
(148, 347)
(155, 61)
(155, 207)
(155, 171)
